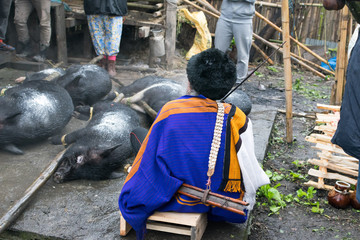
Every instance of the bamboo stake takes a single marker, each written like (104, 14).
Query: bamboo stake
(341, 56)
(145, 6)
(328, 107)
(294, 59)
(262, 53)
(312, 64)
(287, 70)
(20, 205)
(293, 39)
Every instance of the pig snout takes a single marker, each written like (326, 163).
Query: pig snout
(62, 172)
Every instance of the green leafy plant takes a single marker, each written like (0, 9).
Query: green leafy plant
(271, 68)
(260, 75)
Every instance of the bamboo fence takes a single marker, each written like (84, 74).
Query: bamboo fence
(333, 162)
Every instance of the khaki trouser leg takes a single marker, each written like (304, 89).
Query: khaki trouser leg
(23, 8)
(43, 11)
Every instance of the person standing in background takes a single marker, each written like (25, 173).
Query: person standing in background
(4, 14)
(23, 9)
(236, 22)
(105, 20)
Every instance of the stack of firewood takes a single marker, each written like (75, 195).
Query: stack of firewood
(333, 162)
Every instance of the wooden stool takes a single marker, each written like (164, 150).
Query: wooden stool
(190, 224)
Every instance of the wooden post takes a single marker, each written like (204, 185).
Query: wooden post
(60, 33)
(170, 34)
(341, 56)
(287, 69)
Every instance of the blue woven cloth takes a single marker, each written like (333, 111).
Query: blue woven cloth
(176, 150)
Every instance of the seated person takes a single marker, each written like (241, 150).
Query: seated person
(177, 147)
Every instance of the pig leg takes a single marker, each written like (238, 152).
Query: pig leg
(13, 149)
(68, 138)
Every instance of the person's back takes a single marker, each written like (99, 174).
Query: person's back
(176, 150)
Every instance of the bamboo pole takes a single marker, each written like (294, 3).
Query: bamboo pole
(209, 6)
(312, 64)
(294, 59)
(287, 70)
(202, 9)
(293, 39)
(20, 205)
(341, 56)
(262, 53)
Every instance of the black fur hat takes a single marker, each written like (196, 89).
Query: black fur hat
(211, 73)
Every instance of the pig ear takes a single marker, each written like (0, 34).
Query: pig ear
(101, 153)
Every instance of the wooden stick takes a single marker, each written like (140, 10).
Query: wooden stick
(262, 53)
(316, 185)
(333, 166)
(293, 39)
(20, 205)
(328, 107)
(335, 176)
(306, 115)
(148, 109)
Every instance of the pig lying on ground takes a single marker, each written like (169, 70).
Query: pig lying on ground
(32, 111)
(100, 148)
(157, 91)
(86, 84)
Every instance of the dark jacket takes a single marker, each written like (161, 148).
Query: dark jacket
(106, 7)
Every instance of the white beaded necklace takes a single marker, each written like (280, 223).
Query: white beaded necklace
(215, 145)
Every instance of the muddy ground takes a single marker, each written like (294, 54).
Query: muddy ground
(296, 220)
(288, 164)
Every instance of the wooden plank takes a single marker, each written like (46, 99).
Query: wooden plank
(328, 107)
(125, 227)
(200, 227)
(331, 148)
(333, 167)
(163, 227)
(60, 33)
(187, 219)
(335, 176)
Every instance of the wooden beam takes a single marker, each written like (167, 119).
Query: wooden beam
(170, 34)
(60, 33)
(341, 56)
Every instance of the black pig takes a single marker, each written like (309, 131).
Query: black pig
(99, 148)
(86, 84)
(32, 111)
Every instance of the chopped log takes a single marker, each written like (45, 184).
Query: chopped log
(157, 14)
(21, 204)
